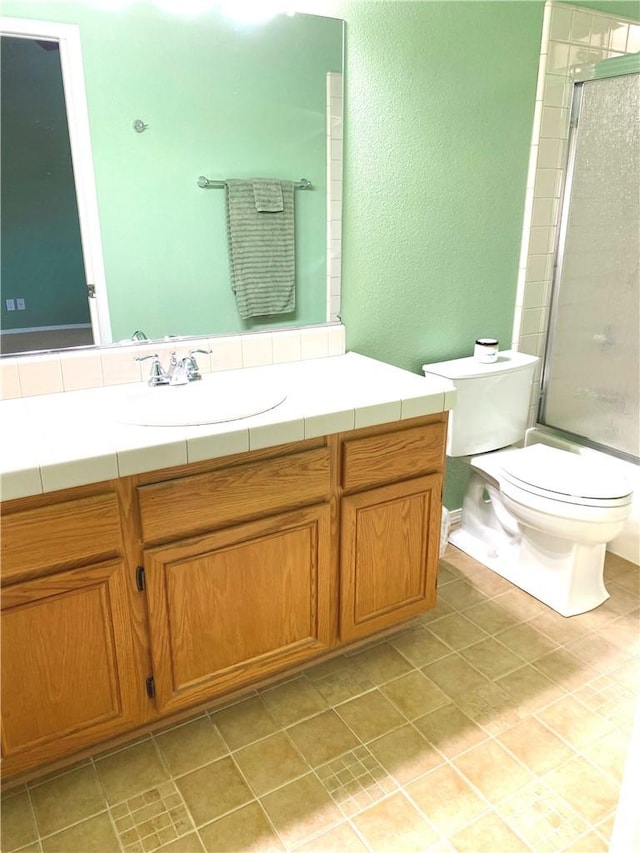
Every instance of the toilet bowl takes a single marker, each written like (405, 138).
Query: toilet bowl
(539, 516)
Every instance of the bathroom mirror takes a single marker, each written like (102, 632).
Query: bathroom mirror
(170, 99)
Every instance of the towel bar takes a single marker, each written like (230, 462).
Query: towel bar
(207, 184)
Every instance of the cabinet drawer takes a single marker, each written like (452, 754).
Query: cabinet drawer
(392, 456)
(206, 501)
(60, 535)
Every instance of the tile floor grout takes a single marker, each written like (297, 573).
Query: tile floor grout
(356, 677)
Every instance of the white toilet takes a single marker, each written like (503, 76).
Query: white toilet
(538, 516)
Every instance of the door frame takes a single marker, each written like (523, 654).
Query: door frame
(68, 38)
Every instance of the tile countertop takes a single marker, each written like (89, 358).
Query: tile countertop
(57, 441)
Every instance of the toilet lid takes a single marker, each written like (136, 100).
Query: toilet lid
(547, 469)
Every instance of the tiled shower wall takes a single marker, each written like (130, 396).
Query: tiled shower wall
(570, 36)
(334, 193)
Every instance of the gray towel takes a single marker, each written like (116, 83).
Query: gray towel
(261, 251)
(267, 195)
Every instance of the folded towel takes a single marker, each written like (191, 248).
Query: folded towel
(261, 251)
(268, 195)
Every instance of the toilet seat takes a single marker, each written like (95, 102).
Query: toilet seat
(564, 476)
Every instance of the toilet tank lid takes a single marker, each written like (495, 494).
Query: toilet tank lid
(468, 368)
(564, 473)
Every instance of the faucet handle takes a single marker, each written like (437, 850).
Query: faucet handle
(157, 375)
(191, 365)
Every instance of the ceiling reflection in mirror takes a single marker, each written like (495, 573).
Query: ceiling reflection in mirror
(169, 100)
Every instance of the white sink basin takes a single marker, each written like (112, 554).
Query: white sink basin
(214, 399)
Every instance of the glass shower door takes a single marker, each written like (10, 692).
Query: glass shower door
(591, 382)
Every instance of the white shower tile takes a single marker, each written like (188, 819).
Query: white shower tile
(533, 321)
(581, 27)
(539, 267)
(226, 353)
(9, 380)
(560, 28)
(557, 91)
(544, 212)
(579, 55)
(558, 57)
(633, 41)
(541, 241)
(81, 370)
(547, 183)
(286, 346)
(40, 375)
(618, 36)
(555, 123)
(257, 350)
(537, 294)
(551, 153)
(532, 344)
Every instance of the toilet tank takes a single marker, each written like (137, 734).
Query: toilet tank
(492, 401)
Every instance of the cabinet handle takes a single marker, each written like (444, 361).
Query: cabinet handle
(140, 579)
(150, 685)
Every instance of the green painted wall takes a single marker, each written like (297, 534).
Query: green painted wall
(221, 100)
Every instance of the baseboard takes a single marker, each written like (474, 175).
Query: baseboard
(455, 517)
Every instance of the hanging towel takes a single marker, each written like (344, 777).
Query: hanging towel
(267, 195)
(261, 251)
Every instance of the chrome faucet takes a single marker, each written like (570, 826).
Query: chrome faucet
(139, 335)
(180, 371)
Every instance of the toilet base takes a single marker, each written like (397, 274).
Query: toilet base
(565, 576)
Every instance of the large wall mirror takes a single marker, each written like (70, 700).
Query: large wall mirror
(168, 99)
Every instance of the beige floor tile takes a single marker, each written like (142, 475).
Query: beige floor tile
(67, 799)
(609, 754)
(628, 675)
(419, 646)
(213, 790)
(623, 633)
(592, 794)
(246, 829)
(244, 722)
(455, 676)
(94, 835)
(441, 609)
(355, 780)
(492, 770)
(405, 754)
(491, 657)
(396, 826)
(529, 689)
(131, 771)
(188, 746)
(521, 604)
(445, 574)
(414, 694)
(492, 616)
(565, 669)
(341, 839)
(460, 594)
(598, 653)
(536, 747)
(151, 819)
(270, 763)
(338, 680)
(487, 834)
(457, 631)
(187, 844)
(490, 583)
(450, 730)
(301, 810)
(574, 723)
(589, 843)
(293, 701)
(541, 818)
(323, 737)
(525, 641)
(490, 706)
(380, 663)
(370, 715)
(447, 799)
(18, 825)
(558, 628)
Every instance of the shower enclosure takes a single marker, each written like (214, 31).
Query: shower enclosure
(591, 379)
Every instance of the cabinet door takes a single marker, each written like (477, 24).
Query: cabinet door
(67, 677)
(389, 555)
(236, 605)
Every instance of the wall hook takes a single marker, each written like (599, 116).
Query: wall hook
(139, 126)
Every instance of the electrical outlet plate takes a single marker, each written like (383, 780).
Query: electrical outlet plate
(11, 304)
(20, 304)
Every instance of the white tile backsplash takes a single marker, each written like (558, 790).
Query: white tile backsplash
(40, 375)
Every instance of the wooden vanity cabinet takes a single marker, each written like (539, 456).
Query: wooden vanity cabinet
(68, 673)
(133, 600)
(390, 526)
